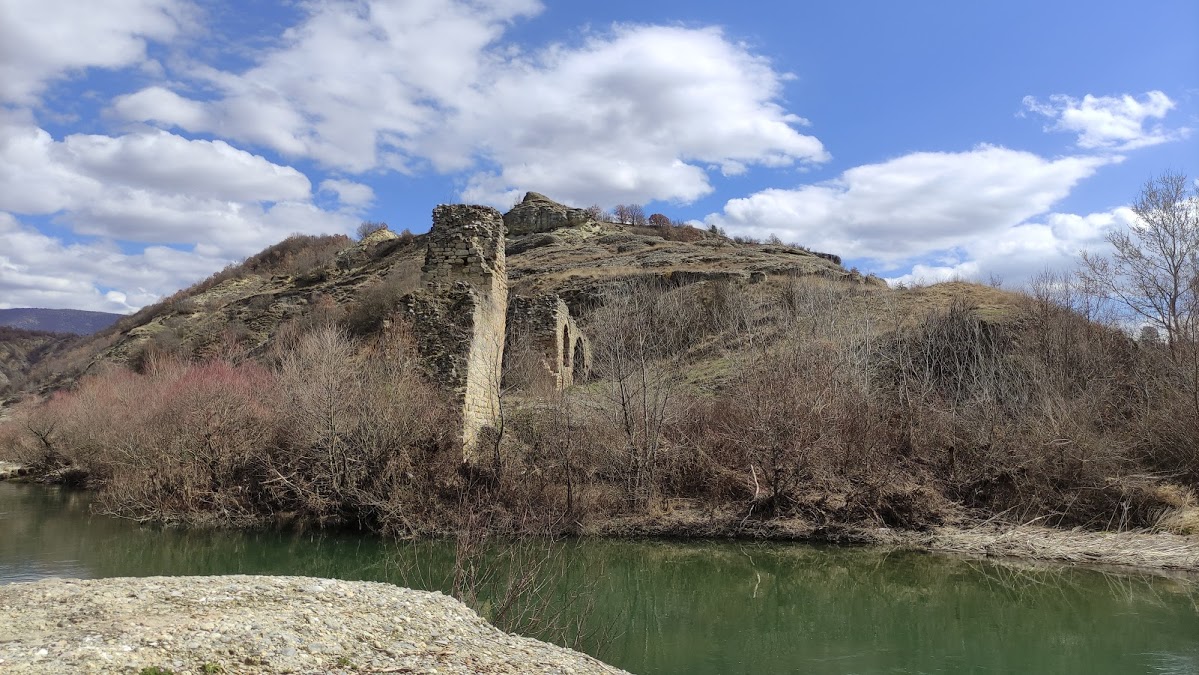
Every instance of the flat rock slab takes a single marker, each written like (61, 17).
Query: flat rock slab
(258, 624)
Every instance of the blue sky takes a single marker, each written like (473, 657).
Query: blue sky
(147, 143)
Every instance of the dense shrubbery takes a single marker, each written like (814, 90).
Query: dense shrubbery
(806, 399)
(328, 436)
(836, 412)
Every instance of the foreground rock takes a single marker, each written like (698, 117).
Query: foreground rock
(10, 470)
(258, 624)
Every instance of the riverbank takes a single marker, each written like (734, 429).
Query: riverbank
(1142, 550)
(10, 470)
(258, 624)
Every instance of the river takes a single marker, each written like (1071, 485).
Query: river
(699, 607)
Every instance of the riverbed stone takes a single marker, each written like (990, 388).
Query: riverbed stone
(258, 624)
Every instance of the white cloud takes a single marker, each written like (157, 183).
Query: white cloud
(43, 40)
(158, 104)
(156, 187)
(634, 114)
(911, 205)
(1109, 122)
(639, 114)
(350, 86)
(1016, 254)
(164, 162)
(37, 270)
(351, 195)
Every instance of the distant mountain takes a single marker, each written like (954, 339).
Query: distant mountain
(77, 321)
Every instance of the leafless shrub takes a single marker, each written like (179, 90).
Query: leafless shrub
(635, 334)
(377, 302)
(367, 228)
(355, 433)
(296, 255)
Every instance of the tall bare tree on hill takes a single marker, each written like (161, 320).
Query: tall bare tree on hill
(629, 214)
(1153, 269)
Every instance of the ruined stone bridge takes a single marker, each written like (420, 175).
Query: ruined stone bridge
(463, 314)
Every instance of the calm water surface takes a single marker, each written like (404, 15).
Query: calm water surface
(702, 608)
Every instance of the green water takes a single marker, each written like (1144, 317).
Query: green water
(701, 608)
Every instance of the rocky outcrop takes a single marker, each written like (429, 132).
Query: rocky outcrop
(258, 624)
(538, 213)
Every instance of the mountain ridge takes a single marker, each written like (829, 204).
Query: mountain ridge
(74, 321)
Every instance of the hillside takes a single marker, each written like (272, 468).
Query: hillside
(244, 307)
(76, 321)
(21, 350)
(545, 371)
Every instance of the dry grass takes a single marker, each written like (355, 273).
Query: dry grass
(1137, 549)
(1184, 521)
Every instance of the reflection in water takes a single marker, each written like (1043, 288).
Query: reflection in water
(702, 607)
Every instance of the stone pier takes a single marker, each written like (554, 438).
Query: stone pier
(460, 315)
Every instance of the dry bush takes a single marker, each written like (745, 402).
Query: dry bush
(359, 436)
(168, 444)
(377, 302)
(1034, 420)
(297, 255)
(332, 437)
(794, 433)
(636, 335)
(680, 233)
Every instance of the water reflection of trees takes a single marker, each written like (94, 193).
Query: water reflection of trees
(710, 607)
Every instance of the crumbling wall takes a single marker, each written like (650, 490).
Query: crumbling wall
(545, 323)
(459, 319)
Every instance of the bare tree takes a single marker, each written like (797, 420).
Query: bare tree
(635, 334)
(597, 213)
(629, 214)
(1154, 266)
(367, 228)
(659, 220)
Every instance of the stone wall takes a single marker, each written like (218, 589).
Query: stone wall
(459, 318)
(462, 317)
(546, 325)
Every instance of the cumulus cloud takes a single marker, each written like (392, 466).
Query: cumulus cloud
(42, 40)
(641, 113)
(1014, 255)
(156, 187)
(351, 195)
(1109, 122)
(911, 205)
(350, 86)
(37, 270)
(632, 114)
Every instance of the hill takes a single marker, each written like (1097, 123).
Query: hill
(542, 370)
(22, 350)
(76, 321)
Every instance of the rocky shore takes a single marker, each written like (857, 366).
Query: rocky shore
(257, 624)
(1141, 550)
(10, 470)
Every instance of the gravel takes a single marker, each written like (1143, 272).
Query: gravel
(257, 624)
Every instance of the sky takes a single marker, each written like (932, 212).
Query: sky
(145, 144)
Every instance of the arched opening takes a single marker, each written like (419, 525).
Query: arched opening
(565, 347)
(580, 362)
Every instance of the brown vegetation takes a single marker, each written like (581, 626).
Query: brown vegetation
(803, 399)
(799, 392)
(329, 436)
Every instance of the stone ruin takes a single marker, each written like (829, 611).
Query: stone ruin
(545, 326)
(462, 315)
